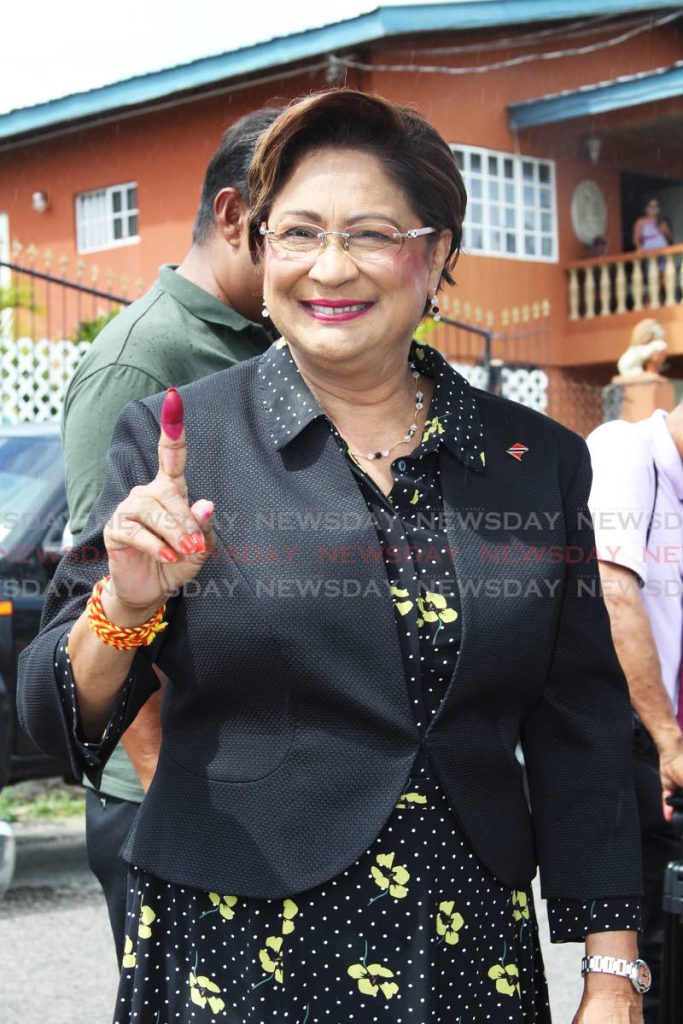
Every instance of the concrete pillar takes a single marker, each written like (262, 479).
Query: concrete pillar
(644, 393)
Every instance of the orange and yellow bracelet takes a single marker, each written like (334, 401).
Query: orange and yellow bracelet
(121, 637)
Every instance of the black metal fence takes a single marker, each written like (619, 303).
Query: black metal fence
(39, 305)
(514, 359)
(466, 343)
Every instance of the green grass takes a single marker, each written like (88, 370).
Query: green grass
(41, 802)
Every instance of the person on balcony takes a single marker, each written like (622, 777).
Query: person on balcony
(313, 547)
(651, 230)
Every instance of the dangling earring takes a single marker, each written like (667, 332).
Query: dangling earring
(264, 312)
(436, 315)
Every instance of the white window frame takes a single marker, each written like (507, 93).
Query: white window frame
(518, 206)
(105, 219)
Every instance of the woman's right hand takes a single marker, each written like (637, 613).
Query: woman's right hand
(155, 540)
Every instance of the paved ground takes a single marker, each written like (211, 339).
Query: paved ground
(57, 964)
(56, 957)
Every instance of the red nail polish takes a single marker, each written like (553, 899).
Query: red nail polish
(168, 553)
(172, 414)
(187, 544)
(198, 541)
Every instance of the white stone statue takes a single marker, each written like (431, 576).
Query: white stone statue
(646, 351)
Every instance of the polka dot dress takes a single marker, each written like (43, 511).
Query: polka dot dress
(416, 931)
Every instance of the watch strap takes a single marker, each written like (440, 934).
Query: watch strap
(607, 965)
(637, 971)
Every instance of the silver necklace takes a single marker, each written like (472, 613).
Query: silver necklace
(412, 429)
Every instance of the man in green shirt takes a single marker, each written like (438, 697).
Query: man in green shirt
(198, 318)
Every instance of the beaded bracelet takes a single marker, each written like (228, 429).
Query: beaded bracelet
(121, 637)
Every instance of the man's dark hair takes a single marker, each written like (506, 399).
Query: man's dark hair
(229, 165)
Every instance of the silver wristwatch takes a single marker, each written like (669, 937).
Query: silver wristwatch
(636, 971)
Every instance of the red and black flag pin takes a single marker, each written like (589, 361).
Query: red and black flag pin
(517, 451)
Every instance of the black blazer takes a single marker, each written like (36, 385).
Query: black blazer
(287, 731)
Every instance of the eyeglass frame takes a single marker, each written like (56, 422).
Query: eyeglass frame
(345, 236)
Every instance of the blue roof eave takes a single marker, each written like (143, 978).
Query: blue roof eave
(629, 91)
(385, 22)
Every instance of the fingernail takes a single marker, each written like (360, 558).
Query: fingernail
(205, 511)
(172, 414)
(187, 544)
(168, 554)
(198, 541)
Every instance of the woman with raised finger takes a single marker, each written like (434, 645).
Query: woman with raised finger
(366, 581)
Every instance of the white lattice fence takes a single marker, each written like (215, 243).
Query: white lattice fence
(528, 387)
(476, 375)
(34, 377)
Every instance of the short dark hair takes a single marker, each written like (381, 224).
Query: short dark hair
(229, 166)
(411, 151)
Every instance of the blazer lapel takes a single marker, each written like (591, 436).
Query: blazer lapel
(509, 585)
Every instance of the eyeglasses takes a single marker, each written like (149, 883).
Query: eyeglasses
(373, 242)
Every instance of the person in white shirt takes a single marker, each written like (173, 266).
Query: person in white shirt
(636, 502)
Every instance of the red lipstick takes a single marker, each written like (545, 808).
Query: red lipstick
(336, 310)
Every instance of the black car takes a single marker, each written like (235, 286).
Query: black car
(33, 535)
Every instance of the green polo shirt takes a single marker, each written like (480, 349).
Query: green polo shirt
(174, 334)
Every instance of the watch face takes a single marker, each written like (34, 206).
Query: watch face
(643, 976)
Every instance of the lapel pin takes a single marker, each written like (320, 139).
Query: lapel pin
(517, 451)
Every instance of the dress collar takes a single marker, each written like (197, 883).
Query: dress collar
(453, 415)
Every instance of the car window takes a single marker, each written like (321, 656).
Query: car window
(30, 470)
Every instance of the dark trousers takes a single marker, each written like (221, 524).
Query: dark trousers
(107, 823)
(659, 846)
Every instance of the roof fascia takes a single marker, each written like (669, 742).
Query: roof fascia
(602, 98)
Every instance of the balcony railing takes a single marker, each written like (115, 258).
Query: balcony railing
(625, 283)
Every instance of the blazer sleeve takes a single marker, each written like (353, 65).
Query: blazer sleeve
(131, 460)
(577, 739)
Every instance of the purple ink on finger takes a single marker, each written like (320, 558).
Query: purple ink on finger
(172, 415)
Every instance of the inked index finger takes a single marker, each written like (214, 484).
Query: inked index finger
(172, 447)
